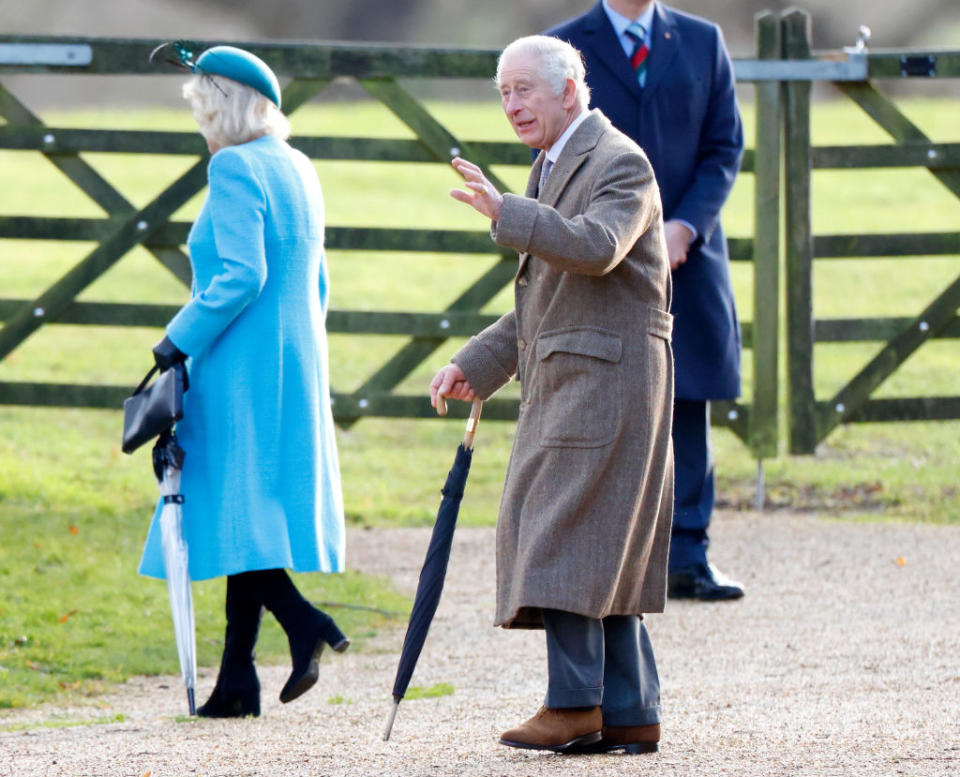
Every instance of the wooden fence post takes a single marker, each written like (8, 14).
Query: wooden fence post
(763, 437)
(799, 242)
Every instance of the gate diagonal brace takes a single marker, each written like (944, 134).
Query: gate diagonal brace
(93, 184)
(131, 231)
(443, 145)
(886, 114)
(933, 320)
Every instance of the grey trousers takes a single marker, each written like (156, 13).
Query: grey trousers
(602, 662)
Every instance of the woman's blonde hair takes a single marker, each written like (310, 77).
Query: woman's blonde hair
(230, 113)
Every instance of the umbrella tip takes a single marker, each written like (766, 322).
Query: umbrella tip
(390, 718)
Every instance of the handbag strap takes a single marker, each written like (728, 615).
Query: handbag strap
(146, 380)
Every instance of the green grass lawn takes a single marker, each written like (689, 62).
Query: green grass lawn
(74, 616)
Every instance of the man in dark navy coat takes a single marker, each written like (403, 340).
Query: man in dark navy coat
(664, 78)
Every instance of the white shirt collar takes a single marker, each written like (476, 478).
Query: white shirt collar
(553, 154)
(621, 22)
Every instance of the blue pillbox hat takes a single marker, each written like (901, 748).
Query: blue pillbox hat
(242, 66)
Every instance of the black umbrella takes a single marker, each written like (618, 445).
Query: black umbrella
(434, 569)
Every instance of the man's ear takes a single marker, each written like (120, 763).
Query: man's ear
(569, 94)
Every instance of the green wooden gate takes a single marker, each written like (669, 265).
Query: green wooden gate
(812, 419)
(310, 68)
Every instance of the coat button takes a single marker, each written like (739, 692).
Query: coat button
(522, 281)
(521, 344)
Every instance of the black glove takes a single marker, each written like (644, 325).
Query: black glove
(166, 354)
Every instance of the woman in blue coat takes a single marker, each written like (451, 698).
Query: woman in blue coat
(260, 480)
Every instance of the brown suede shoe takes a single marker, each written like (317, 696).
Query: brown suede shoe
(557, 730)
(633, 740)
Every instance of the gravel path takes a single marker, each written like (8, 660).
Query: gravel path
(841, 660)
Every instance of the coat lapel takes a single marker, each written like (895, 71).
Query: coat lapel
(574, 154)
(665, 46)
(534, 178)
(605, 44)
(569, 162)
(531, 191)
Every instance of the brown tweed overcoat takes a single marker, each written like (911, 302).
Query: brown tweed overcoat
(584, 523)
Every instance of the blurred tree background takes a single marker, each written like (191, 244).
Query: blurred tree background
(459, 22)
(490, 24)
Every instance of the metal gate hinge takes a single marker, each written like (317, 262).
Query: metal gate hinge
(60, 54)
(922, 66)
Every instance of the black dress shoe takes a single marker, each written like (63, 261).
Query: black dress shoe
(707, 584)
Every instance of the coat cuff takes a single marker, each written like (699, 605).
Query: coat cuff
(518, 219)
(485, 374)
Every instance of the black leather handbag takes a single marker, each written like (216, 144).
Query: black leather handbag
(152, 409)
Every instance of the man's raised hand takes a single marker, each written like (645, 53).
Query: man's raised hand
(482, 195)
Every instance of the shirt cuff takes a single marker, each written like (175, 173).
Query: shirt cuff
(688, 225)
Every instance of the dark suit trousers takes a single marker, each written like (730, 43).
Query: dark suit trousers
(602, 662)
(693, 484)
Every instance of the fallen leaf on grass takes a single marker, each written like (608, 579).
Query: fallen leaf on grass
(68, 615)
(901, 561)
(74, 530)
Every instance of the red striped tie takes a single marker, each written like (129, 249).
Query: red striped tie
(638, 59)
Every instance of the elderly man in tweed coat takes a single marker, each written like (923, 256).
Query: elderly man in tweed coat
(581, 541)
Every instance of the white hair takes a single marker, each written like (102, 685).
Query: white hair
(229, 113)
(557, 61)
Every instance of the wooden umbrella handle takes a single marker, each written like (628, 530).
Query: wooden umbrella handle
(472, 421)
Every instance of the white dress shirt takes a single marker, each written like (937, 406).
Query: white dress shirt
(553, 153)
(621, 22)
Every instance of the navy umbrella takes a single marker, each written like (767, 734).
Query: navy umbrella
(434, 569)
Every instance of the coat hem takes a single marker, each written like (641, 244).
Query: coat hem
(530, 617)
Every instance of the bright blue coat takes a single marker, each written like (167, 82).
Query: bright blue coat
(260, 480)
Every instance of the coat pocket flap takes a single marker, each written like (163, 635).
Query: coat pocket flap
(587, 342)
(660, 324)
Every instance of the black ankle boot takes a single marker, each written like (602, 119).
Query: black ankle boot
(308, 630)
(236, 695)
(237, 692)
(306, 645)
